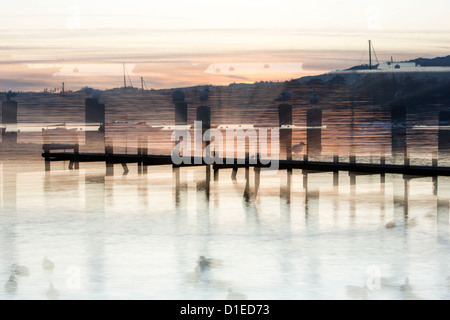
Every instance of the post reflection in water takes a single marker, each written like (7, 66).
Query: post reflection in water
(285, 191)
(250, 198)
(95, 190)
(352, 205)
(287, 268)
(202, 205)
(312, 212)
(401, 208)
(312, 196)
(8, 254)
(9, 186)
(443, 227)
(180, 190)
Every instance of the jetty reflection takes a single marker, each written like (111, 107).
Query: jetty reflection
(325, 200)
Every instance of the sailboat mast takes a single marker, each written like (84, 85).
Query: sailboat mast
(124, 77)
(370, 54)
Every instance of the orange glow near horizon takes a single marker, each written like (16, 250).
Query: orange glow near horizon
(172, 43)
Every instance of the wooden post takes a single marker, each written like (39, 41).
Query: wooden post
(9, 112)
(125, 169)
(204, 116)
(76, 151)
(383, 154)
(181, 112)
(216, 174)
(314, 132)
(144, 153)
(444, 134)
(9, 118)
(234, 174)
(285, 119)
(95, 114)
(407, 159)
(181, 108)
(109, 150)
(139, 152)
(434, 159)
(398, 130)
(336, 173)
(95, 111)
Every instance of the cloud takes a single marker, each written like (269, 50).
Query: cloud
(22, 77)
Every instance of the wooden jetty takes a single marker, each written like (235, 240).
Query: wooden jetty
(95, 113)
(319, 166)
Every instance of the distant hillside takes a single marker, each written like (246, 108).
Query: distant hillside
(351, 75)
(435, 62)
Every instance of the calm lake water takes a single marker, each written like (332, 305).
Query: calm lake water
(295, 236)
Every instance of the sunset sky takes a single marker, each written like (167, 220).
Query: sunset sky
(175, 43)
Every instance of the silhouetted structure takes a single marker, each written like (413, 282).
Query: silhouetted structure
(398, 125)
(109, 151)
(181, 107)
(95, 111)
(95, 115)
(444, 133)
(204, 116)
(143, 151)
(314, 131)
(285, 118)
(9, 118)
(9, 112)
(181, 112)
